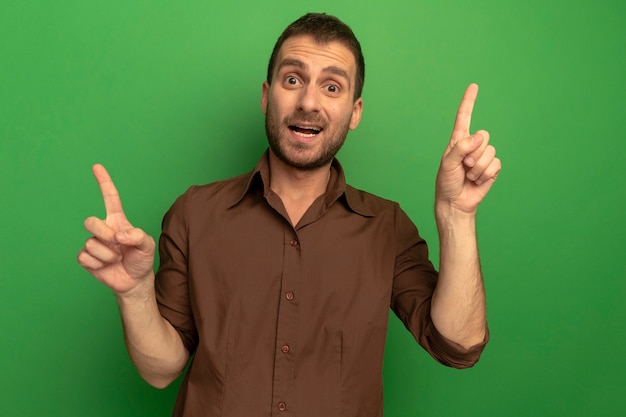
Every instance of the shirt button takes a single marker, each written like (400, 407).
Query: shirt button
(282, 406)
(293, 242)
(289, 296)
(285, 349)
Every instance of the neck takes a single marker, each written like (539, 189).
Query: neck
(297, 184)
(297, 188)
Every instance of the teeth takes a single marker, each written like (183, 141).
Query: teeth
(305, 135)
(309, 128)
(305, 131)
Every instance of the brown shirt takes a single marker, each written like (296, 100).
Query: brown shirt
(291, 321)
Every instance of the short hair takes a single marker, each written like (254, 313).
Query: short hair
(324, 29)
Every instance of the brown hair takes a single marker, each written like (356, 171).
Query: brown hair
(324, 29)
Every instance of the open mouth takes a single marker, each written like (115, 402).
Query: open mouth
(305, 131)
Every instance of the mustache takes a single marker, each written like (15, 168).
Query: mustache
(304, 117)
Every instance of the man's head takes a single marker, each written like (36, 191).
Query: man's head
(312, 97)
(324, 29)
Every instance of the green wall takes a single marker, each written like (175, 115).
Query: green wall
(166, 94)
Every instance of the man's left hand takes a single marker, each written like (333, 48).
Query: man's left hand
(469, 165)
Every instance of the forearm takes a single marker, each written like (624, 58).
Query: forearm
(458, 306)
(153, 344)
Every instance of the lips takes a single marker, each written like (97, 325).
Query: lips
(305, 131)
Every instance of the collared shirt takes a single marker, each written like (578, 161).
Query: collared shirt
(292, 321)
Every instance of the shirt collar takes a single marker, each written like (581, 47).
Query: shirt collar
(337, 187)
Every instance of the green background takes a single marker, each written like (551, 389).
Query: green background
(166, 94)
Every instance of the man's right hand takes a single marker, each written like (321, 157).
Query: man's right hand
(118, 254)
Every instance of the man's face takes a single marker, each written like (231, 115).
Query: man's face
(310, 106)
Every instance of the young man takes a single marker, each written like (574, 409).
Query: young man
(279, 281)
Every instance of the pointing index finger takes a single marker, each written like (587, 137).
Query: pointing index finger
(464, 114)
(112, 201)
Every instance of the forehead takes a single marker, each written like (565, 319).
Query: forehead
(306, 49)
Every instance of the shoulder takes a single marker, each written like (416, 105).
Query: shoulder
(201, 200)
(368, 204)
(228, 188)
(386, 211)
(224, 192)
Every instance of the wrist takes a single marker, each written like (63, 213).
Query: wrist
(142, 292)
(447, 214)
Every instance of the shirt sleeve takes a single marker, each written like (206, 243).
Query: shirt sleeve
(414, 282)
(172, 286)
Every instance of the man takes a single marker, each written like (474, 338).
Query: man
(279, 281)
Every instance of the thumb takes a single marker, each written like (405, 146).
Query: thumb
(461, 149)
(137, 238)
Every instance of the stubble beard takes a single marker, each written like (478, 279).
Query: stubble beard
(296, 154)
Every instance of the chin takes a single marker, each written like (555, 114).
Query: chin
(296, 160)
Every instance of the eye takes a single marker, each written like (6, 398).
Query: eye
(291, 80)
(332, 88)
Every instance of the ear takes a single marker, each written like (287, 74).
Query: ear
(357, 110)
(265, 91)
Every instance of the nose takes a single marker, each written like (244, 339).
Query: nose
(309, 99)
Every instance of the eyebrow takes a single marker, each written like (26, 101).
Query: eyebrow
(292, 62)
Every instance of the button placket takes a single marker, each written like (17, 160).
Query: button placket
(285, 357)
